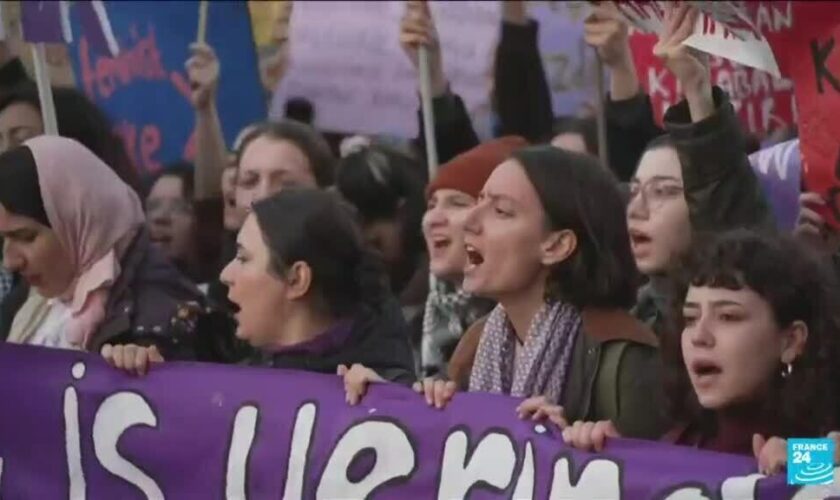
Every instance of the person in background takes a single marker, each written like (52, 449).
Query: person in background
(575, 134)
(78, 118)
(310, 296)
(452, 193)
(755, 358)
(693, 181)
(547, 241)
(187, 232)
(301, 110)
(274, 156)
(75, 233)
(382, 185)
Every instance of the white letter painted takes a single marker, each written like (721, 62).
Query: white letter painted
(118, 413)
(599, 479)
(394, 459)
(492, 461)
(244, 428)
(525, 485)
(72, 444)
(301, 437)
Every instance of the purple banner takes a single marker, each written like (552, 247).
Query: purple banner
(45, 22)
(70, 426)
(779, 168)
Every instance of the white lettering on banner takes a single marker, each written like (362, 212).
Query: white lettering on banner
(244, 429)
(690, 493)
(72, 439)
(740, 488)
(299, 451)
(656, 85)
(600, 478)
(118, 413)
(394, 458)
(492, 462)
(778, 158)
(769, 18)
(525, 484)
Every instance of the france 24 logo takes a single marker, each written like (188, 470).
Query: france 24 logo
(810, 461)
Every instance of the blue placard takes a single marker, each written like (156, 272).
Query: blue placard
(145, 90)
(810, 461)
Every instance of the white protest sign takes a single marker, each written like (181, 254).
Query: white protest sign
(723, 29)
(346, 59)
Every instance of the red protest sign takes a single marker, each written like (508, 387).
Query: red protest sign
(805, 48)
(763, 103)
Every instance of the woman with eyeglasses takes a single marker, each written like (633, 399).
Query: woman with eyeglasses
(186, 230)
(695, 179)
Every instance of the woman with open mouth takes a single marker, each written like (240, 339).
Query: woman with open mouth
(451, 194)
(547, 241)
(309, 296)
(754, 363)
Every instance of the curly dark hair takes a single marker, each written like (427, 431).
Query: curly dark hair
(798, 286)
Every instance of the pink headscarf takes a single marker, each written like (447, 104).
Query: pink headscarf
(95, 216)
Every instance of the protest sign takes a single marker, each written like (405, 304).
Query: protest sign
(763, 103)
(346, 59)
(723, 29)
(779, 169)
(74, 427)
(569, 63)
(145, 90)
(806, 50)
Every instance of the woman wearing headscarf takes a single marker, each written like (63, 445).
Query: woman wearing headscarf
(75, 234)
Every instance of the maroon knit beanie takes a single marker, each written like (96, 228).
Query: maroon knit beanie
(469, 171)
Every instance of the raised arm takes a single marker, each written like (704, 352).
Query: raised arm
(211, 152)
(721, 188)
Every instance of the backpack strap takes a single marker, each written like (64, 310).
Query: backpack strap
(606, 389)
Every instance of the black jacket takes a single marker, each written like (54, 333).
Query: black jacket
(378, 339)
(146, 305)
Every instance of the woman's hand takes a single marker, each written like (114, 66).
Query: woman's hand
(417, 29)
(812, 229)
(688, 65)
(438, 392)
(131, 358)
(771, 454)
(356, 381)
(538, 408)
(590, 436)
(203, 70)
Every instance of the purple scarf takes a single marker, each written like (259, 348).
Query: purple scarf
(543, 363)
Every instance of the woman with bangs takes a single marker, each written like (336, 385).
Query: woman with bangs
(754, 363)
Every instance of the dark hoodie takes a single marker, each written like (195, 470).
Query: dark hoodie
(376, 339)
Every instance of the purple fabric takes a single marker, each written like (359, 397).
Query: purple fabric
(41, 22)
(779, 169)
(205, 431)
(330, 340)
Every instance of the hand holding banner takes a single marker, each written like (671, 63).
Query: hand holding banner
(82, 429)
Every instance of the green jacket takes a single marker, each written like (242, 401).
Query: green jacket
(721, 189)
(614, 373)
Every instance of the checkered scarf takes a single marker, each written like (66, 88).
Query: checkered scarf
(449, 313)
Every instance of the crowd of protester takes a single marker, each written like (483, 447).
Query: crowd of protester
(652, 298)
